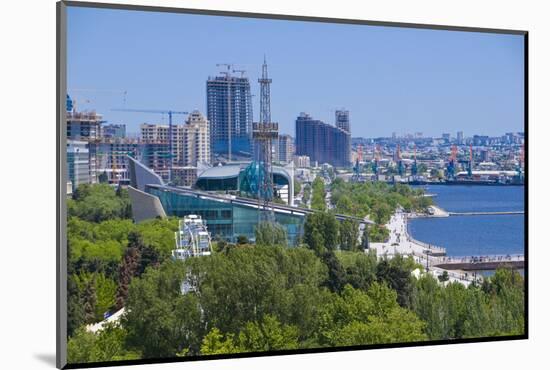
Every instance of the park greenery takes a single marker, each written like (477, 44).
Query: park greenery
(318, 194)
(262, 296)
(378, 201)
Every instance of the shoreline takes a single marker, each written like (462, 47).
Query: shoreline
(401, 242)
(428, 255)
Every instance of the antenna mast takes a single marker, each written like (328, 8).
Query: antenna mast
(264, 132)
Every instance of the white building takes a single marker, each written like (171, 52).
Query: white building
(190, 141)
(285, 148)
(302, 161)
(154, 133)
(196, 140)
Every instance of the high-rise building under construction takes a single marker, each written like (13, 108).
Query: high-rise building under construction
(229, 111)
(342, 120)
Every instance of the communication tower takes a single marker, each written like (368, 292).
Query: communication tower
(264, 133)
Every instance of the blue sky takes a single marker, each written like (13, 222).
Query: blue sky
(399, 80)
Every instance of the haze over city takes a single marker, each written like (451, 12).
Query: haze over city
(390, 79)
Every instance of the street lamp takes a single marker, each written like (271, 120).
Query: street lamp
(427, 251)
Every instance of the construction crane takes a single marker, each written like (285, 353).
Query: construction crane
(376, 159)
(400, 169)
(471, 162)
(357, 168)
(229, 67)
(170, 113)
(76, 91)
(414, 168)
(451, 167)
(241, 71)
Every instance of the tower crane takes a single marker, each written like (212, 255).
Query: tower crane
(85, 91)
(471, 162)
(414, 168)
(170, 113)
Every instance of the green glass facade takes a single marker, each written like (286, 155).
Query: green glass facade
(224, 218)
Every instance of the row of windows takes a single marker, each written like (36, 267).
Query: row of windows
(224, 219)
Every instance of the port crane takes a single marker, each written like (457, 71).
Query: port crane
(400, 169)
(451, 167)
(471, 163)
(414, 168)
(359, 159)
(170, 113)
(376, 159)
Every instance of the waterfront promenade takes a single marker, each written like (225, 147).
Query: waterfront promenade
(400, 242)
(433, 257)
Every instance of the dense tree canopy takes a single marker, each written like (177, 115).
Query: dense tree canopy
(378, 201)
(318, 194)
(264, 296)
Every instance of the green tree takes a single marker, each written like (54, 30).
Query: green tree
(267, 335)
(453, 311)
(377, 233)
(128, 269)
(160, 320)
(444, 276)
(321, 232)
(318, 194)
(215, 343)
(270, 233)
(242, 239)
(360, 268)
(98, 202)
(106, 294)
(349, 235)
(336, 273)
(90, 300)
(103, 178)
(75, 306)
(108, 344)
(356, 317)
(396, 272)
(81, 346)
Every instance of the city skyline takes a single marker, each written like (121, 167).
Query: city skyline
(390, 79)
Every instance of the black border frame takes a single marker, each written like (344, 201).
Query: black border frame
(61, 252)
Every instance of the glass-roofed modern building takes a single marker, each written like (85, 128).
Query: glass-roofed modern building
(218, 199)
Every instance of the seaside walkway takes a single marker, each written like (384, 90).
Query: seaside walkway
(400, 242)
(479, 262)
(434, 257)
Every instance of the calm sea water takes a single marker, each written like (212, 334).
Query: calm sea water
(474, 235)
